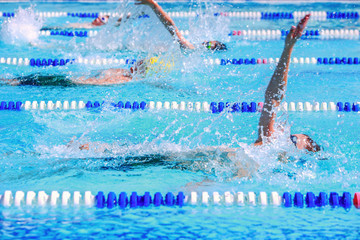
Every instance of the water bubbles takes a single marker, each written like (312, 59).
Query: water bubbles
(23, 28)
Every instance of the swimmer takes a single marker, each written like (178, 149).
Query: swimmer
(275, 92)
(174, 31)
(105, 77)
(98, 22)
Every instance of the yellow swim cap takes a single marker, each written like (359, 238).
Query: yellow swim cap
(158, 65)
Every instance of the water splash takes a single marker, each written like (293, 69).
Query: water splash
(23, 28)
(208, 27)
(135, 33)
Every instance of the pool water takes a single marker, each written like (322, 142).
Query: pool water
(37, 153)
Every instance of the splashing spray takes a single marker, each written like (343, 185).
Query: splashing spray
(23, 28)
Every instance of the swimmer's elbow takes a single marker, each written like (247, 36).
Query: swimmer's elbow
(258, 142)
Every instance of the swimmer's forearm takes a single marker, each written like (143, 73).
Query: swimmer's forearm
(274, 94)
(170, 25)
(277, 86)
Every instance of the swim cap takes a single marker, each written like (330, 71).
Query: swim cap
(214, 45)
(158, 65)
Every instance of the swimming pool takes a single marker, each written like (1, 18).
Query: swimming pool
(150, 149)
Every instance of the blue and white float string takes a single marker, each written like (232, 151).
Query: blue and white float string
(213, 107)
(309, 200)
(315, 15)
(52, 62)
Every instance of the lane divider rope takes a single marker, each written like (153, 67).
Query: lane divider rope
(100, 200)
(260, 34)
(52, 62)
(301, 60)
(320, 34)
(69, 14)
(213, 107)
(84, 33)
(316, 15)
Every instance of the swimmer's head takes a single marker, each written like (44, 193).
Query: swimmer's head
(214, 45)
(101, 20)
(303, 141)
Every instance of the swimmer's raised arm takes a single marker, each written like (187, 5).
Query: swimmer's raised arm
(275, 91)
(168, 22)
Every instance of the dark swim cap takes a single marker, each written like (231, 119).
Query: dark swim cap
(215, 45)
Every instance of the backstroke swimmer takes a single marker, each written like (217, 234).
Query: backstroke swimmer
(169, 24)
(164, 18)
(97, 22)
(106, 77)
(274, 94)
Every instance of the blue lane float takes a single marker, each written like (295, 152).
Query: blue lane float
(338, 61)
(8, 14)
(83, 15)
(12, 106)
(43, 62)
(306, 33)
(232, 107)
(135, 200)
(171, 200)
(287, 199)
(298, 200)
(276, 15)
(69, 33)
(342, 15)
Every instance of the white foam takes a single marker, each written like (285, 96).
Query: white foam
(24, 27)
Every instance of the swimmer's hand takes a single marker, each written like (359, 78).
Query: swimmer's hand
(296, 32)
(84, 147)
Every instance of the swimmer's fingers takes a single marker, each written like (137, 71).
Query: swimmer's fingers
(301, 26)
(292, 32)
(290, 39)
(84, 147)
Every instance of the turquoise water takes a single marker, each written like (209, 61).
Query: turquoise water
(34, 147)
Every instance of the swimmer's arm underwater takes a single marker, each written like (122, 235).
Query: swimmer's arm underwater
(106, 77)
(275, 91)
(168, 23)
(110, 76)
(99, 21)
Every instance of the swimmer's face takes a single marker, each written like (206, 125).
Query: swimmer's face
(101, 20)
(303, 141)
(214, 46)
(138, 68)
